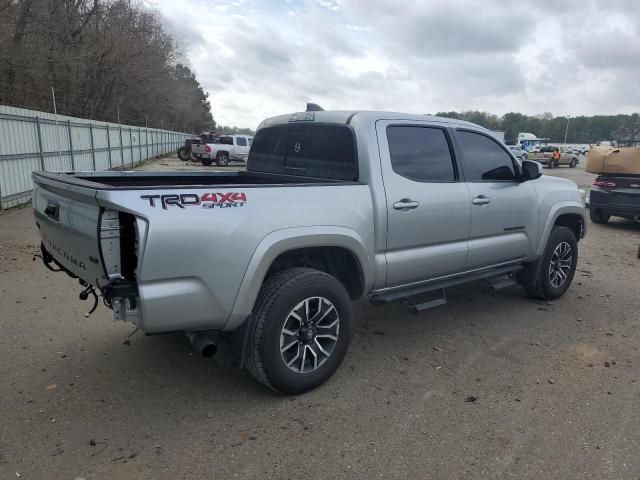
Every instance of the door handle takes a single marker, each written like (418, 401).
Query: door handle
(406, 204)
(481, 200)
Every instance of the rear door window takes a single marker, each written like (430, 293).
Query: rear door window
(421, 154)
(483, 158)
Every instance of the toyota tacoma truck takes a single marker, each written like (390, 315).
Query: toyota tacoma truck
(224, 149)
(333, 206)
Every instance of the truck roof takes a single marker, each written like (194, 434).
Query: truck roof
(345, 116)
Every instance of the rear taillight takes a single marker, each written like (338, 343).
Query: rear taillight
(603, 183)
(207, 149)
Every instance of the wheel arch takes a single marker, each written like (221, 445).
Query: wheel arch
(323, 248)
(565, 214)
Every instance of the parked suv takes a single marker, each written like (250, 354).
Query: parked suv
(333, 207)
(518, 152)
(615, 195)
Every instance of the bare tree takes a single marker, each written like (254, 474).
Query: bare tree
(103, 57)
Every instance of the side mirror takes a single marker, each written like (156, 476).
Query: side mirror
(531, 170)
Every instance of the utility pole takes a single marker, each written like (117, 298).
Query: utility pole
(55, 112)
(53, 95)
(566, 130)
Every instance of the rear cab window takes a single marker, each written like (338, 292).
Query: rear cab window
(241, 141)
(311, 150)
(484, 159)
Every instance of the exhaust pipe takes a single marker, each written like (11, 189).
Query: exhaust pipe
(202, 344)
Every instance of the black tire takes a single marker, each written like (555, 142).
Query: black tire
(573, 163)
(182, 154)
(536, 278)
(278, 297)
(222, 159)
(597, 215)
(206, 161)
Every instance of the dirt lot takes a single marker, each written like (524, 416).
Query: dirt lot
(557, 385)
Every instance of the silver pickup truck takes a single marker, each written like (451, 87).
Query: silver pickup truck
(334, 206)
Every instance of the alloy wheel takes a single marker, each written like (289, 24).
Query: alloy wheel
(309, 334)
(560, 264)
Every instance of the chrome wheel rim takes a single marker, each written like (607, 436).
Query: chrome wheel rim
(309, 334)
(560, 264)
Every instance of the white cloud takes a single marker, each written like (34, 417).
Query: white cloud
(258, 59)
(334, 5)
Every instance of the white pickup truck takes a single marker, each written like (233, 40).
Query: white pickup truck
(226, 148)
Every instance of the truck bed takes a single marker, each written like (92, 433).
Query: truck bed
(163, 180)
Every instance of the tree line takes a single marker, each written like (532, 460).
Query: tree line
(227, 130)
(579, 129)
(109, 60)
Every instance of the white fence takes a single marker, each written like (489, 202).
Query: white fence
(31, 140)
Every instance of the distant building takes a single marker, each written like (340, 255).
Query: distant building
(499, 134)
(527, 141)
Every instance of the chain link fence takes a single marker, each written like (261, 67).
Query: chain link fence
(32, 140)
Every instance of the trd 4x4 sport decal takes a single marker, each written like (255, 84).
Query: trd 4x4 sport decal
(207, 200)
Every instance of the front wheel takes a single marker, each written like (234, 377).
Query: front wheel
(300, 330)
(573, 163)
(550, 276)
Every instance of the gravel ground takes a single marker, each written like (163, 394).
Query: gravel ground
(555, 386)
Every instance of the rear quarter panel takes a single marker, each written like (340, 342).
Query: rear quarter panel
(192, 260)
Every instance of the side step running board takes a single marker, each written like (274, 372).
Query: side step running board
(416, 305)
(498, 277)
(503, 281)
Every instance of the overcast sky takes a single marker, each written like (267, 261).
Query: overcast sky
(261, 58)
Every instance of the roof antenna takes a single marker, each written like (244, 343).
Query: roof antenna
(314, 107)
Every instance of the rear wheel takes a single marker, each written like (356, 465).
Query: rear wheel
(550, 276)
(222, 159)
(598, 215)
(300, 331)
(573, 163)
